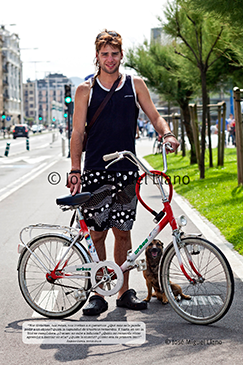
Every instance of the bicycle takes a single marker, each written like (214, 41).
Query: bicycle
(157, 146)
(56, 272)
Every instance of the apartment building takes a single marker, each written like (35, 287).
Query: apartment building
(10, 76)
(45, 98)
(29, 99)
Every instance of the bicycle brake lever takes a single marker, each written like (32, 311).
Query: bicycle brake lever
(114, 161)
(168, 146)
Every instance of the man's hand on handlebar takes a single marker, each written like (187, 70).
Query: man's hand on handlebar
(174, 144)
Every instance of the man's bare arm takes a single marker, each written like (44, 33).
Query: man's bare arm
(159, 123)
(76, 145)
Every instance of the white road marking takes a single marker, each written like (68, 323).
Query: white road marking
(26, 159)
(203, 300)
(23, 180)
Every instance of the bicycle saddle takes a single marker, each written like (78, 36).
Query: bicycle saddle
(72, 200)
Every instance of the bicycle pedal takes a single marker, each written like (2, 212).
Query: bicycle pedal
(80, 295)
(141, 265)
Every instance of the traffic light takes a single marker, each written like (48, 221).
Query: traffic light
(67, 96)
(40, 117)
(3, 115)
(65, 115)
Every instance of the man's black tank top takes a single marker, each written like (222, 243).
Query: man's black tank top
(115, 128)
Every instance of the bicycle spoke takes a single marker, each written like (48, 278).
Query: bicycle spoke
(53, 298)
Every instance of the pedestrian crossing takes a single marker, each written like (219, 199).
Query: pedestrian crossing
(15, 161)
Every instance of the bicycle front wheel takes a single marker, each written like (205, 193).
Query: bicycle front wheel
(210, 297)
(57, 298)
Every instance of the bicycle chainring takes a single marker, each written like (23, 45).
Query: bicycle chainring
(110, 276)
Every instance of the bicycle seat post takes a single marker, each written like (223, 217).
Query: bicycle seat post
(85, 231)
(81, 219)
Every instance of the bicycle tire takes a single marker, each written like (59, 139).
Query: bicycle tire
(159, 147)
(210, 299)
(155, 144)
(57, 299)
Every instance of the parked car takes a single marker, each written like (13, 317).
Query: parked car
(20, 130)
(37, 128)
(40, 128)
(34, 128)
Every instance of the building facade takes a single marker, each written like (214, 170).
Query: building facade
(29, 100)
(44, 99)
(10, 76)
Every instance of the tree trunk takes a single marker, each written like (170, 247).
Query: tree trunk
(183, 146)
(209, 134)
(203, 130)
(187, 123)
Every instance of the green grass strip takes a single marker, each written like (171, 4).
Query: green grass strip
(217, 197)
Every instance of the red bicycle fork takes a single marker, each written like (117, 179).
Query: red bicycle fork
(168, 218)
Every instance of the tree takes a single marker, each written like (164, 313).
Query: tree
(202, 40)
(167, 75)
(225, 9)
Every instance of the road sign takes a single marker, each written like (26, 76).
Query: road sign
(8, 119)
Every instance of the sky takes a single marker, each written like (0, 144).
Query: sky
(64, 31)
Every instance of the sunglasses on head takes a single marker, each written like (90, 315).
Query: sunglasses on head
(113, 34)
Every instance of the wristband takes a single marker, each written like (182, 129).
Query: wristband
(169, 134)
(75, 172)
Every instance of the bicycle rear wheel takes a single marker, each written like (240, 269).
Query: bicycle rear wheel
(211, 297)
(155, 145)
(57, 298)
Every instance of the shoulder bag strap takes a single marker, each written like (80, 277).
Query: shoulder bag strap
(103, 104)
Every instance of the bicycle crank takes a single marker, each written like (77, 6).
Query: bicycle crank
(106, 278)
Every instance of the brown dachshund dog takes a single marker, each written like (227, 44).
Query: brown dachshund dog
(153, 254)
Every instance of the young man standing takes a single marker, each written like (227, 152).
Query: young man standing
(113, 204)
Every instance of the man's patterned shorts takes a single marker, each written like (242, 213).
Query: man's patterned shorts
(113, 202)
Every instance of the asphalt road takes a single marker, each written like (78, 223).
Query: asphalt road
(169, 339)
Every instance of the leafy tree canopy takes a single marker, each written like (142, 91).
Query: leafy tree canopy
(163, 70)
(228, 10)
(201, 38)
